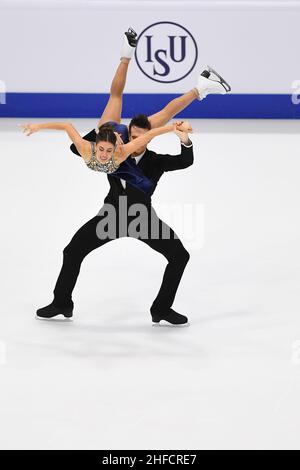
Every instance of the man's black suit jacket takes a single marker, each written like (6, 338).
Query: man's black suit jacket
(153, 165)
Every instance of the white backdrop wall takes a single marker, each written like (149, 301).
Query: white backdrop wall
(73, 46)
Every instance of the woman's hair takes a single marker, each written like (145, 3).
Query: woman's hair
(106, 134)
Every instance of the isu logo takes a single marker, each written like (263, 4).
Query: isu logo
(166, 52)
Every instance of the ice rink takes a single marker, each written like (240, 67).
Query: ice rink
(109, 379)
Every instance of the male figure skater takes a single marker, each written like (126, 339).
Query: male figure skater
(86, 239)
(153, 166)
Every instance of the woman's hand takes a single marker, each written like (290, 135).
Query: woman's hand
(119, 138)
(29, 129)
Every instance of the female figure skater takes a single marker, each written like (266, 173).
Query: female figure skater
(109, 152)
(122, 167)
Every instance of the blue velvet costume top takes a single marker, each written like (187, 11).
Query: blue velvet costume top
(128, 170)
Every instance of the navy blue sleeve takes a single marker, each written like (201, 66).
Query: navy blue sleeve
(91, 137)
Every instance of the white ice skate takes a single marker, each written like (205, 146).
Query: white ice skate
(207, 85)
(129, 44)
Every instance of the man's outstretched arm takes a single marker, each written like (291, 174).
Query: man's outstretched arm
(180, 161)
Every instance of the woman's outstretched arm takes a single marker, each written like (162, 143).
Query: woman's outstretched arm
(123, 151)
(82, 145)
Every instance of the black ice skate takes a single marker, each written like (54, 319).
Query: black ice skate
(170, 318)
(51, 311)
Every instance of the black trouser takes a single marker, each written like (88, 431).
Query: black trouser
(86, 239)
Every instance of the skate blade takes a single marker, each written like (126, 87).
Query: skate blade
(131, 37)
(222, 81)
(131, 31)
(55, 319)
(165, 323)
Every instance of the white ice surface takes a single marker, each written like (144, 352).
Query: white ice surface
(109, 380)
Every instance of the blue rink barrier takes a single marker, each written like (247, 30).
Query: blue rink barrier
(91, 105)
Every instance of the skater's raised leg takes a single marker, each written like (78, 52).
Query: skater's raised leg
(113, 109)
(173, 108)
(209, 82)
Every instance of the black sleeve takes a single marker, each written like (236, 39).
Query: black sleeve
(177, 162)
(91, 137)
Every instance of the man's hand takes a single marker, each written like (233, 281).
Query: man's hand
(180, 129)
(183, 136)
